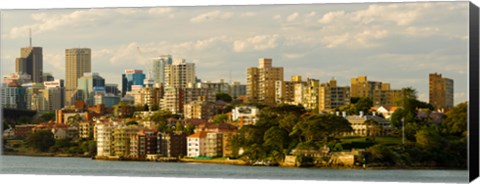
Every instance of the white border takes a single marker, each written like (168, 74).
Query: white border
(35, 4)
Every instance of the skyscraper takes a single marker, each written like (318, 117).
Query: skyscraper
(180, 74)
(77, 62)
(87, 84)
(159, 65)
(131, 77)
(31, 63)
(440, 91)
(261, 81)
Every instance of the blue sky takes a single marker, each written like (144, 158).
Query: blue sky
(398, 43)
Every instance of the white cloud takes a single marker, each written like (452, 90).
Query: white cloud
(330, 16)
(49, 22)
(311, 14)
(292, 17)
(401, 14)
(210, 16)
(256, 43)
(54, 63)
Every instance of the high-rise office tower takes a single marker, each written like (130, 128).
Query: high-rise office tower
(86, 85)
(131, 77)
(77, 62)
(159, 65)
(180, 74)
(440, 91)
(261, 81)
(31, 63)
(53, 93)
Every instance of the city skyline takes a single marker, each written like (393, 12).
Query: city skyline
(307, 40)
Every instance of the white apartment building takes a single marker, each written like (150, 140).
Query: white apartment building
(104, 137)
(246, 115)
(196, 144)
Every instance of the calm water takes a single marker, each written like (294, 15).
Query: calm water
(85, 166)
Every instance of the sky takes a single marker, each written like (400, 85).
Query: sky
(396, 43)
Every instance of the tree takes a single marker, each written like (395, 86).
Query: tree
(189, 128)
(179, 127)
(372, 127)
(74, 121)
(161, 118)
(276, 138)
(155, 107)
(224, 97)
(407, 94)
(364, 105)
(220, 118)
(322, 127)
(429, 137)
(456, 121)
(45, 117)
(40, 140)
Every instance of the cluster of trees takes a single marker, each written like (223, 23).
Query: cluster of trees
(161, 118)
(283, 128)
(427, 142)
(44, 141)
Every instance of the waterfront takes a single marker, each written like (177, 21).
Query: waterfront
(85, 166)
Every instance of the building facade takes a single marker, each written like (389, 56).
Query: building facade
(159, 65)
(261, 81)
(130, 78)
(332, 96)
(88, 84)
(77, 62)
(440, 92)
(180, 74)
(31, 63)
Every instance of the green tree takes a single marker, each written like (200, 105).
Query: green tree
(224, 97)
(289, 121)
(155, 107)
(40, 140)
(45, 117)
(220, 118)
(429, 137)
(407, 94)
(75, 120)
(372, 128)
(276, 138)
(161, 119)
(456, 121)
(179, 127)
(364, 105)
(189, 128)
(322, 127)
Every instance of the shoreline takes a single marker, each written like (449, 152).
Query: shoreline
(233, 162)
